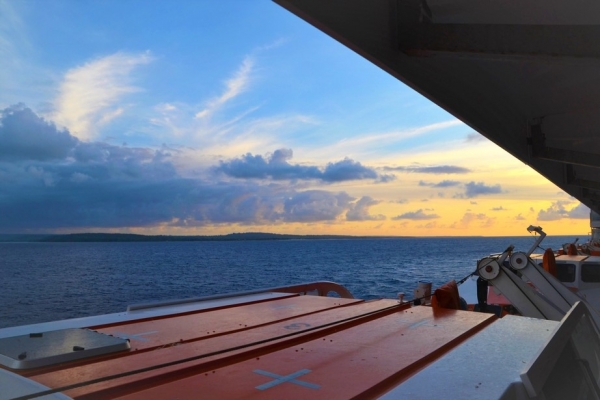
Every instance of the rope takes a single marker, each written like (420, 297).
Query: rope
(463, 280)
(415, 300)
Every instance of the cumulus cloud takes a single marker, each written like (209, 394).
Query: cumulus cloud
(384, 178)
(415, 215)
(555, 212)
(558, 210)
(581, 211)
(359, 211)
(347, 170)
(473, 189)
(89, 95)
(276, 166)
(315, 205)
(434, 169)
(468, 218)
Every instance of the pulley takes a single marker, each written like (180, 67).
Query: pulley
(488, 268)
(518, 260)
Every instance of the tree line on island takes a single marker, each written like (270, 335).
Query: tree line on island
(130, 237)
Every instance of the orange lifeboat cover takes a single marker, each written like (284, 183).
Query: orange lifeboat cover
(446, 296)
(549, 261)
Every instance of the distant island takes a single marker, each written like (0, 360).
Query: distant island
(128, 237)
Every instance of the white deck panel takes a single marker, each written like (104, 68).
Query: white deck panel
(150, 312)
(483, 367)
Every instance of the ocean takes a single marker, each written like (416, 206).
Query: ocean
(51, 281)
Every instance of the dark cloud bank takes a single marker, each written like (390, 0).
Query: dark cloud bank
(49, 179)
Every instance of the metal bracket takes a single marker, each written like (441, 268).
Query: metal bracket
(537, 143)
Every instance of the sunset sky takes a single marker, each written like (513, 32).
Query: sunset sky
(212, 117)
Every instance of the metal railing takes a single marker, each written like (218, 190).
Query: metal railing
(322, 288)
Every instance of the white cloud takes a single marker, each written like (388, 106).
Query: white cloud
(363, 145)
(399, 135)
(89, 95)
(233, 88)
(221, 129)
(558, 211)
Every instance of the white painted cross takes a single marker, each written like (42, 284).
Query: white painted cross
(137, 336)
(279, 379)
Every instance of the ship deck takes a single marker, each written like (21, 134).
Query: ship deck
(276, 346)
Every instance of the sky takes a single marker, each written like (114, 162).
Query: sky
(212, 117)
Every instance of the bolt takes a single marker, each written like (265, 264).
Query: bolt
(489, 268)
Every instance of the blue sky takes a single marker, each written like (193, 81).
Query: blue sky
(204, 117)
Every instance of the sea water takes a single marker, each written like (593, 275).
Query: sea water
(51, 281)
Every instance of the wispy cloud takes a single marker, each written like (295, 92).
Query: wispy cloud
(374, 144)
(89, 95)
(21, 78)
(443, 184)
(12, 35)
(226, 126)
(389, 137)
(433, 169)
(233, 88)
